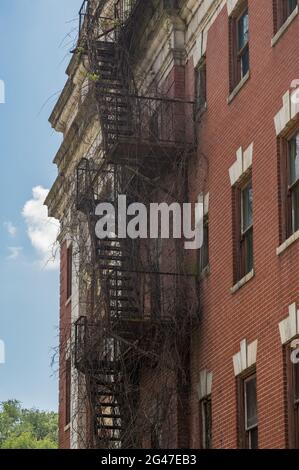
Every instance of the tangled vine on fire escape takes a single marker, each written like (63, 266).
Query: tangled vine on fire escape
(138, 310)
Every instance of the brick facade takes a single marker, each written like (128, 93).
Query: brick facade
(65, 333)
(252, 310)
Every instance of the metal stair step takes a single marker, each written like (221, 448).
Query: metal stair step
(109, 439)
(124, 309)
(114, 427)
(108, 416)
(109, 405)
(122, 298)
(108, 257)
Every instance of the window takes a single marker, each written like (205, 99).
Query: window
(69, 262)
(239, 45)
(201, 85)
(68, 376)
(244, 230)
(206, 423)
(248, 413)
(290, 185)
(282, 10)
(204, 250)
(293, 184)
(292, 372)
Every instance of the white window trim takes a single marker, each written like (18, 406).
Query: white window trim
(289, 327)
(242, 165)
(204, 387)
(246, 357)
(288, 113)
(287, 243)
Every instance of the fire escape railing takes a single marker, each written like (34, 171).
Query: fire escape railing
(146, 120)
(124, 9)
(82, 14)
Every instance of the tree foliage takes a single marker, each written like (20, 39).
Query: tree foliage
(27, 428)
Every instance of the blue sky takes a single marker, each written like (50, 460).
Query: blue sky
(35, 37)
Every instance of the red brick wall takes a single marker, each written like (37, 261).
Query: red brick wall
(65, 331)
(255, 311)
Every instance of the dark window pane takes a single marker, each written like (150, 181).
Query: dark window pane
(243, 30)
(294, 160)
(201, 86)
(253, 439)
(250, 403)
(291, 6)
(207, 423)
(244, 62)
(249, 252)
(204, 251)
(69, 272)
(296, 207)
(247, 207)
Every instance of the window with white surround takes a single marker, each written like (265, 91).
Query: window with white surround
(201, 85)
(282, 10)
(247, 411)
(243, 228)
(239, 44)
(206, 422)
(292, 375)
(293, 183)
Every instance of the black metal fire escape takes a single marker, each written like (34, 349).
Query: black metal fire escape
(138, 131)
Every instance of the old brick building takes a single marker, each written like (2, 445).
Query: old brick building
(162, 346)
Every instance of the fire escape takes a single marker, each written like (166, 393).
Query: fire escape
(141, 135)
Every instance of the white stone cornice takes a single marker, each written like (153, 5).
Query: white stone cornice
(288, 113)
(246, 357)
(204, 387)
(241, 165)
(289, 327)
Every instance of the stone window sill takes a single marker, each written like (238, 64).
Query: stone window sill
(68, 301)
(285, 245)
(243, 281)
(238, 87)
(284, 27)
(67, 427)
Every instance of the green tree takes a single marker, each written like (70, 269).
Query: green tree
(27, 428)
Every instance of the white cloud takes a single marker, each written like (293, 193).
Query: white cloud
(41, 229)
(15, 252)
(11, 229)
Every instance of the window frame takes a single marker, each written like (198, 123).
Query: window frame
(287, 190)
(236, 53)
(206, 432)
(244, 433)
(243, 239)
(292, 402)
(242, 50)
(201, 85)
(69, 271)
(281, 12)
(203, 254)
(68, 391)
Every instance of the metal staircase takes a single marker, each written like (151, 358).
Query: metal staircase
(132, 126)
